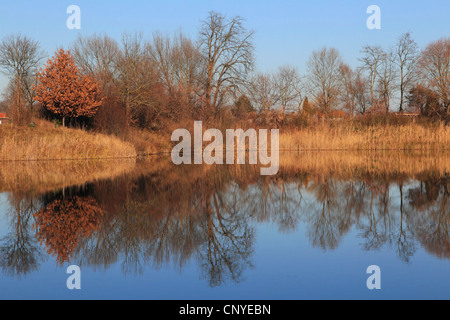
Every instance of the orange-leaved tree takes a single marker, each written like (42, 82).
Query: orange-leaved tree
(63, 90)
(64, 223)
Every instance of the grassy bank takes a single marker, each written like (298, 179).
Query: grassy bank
(352, 136)
(47, 142)
(339, 135)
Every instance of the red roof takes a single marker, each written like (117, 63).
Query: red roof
(2, 115)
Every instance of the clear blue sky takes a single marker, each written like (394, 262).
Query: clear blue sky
(286, 31)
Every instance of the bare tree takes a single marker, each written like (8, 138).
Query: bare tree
(354, 93)
(262, 92)
(406, 55)
(136, 75)
(362, 99)
(177, 60)
(97, 56)
(180, 71)
(435, 67)
(19, 59)
(349, 88)
(371, 61)
(288, 87)
(386, 79)
(324, 77)
(227, 49)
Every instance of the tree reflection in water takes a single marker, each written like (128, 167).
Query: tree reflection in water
(431, 221)
(64, 221)
(19, 250)
(173, 214)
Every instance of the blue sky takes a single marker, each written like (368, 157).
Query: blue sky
(286, 31)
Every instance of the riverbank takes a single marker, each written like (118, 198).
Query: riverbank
(350, 135)
(45, 141)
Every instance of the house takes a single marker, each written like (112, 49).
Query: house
(3, 118)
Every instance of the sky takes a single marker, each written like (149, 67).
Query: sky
(286, 32)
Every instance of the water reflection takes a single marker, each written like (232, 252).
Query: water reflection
(19, 250)
(160, 214)
(64, 220)
(430, 220)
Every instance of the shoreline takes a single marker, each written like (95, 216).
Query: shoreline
(45, 142)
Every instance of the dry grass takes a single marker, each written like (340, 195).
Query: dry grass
(45, 142)
(149, 143)
(347, 136)
(343, 135)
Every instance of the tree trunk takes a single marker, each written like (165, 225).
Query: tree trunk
(401, 101)
(18, 92)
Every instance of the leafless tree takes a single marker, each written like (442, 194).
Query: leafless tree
(227, 49)
(180, 71)
(387, 76)
(406, 55)
(136, 75)
(19, 58)
(354, 92)
(177, 60)
(371, 61)
(288, 86)
(262, 92)
(324, 77)
(97, 56)
(349, 88)
(362, 98)
(435, 67)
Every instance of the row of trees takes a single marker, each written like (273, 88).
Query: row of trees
(401, 72)
(149, 82)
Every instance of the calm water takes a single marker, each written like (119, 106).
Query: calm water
(160, 231)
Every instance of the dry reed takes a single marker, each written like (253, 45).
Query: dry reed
(46, 142)
(381, 137)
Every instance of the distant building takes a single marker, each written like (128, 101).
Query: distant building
(3, 118)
